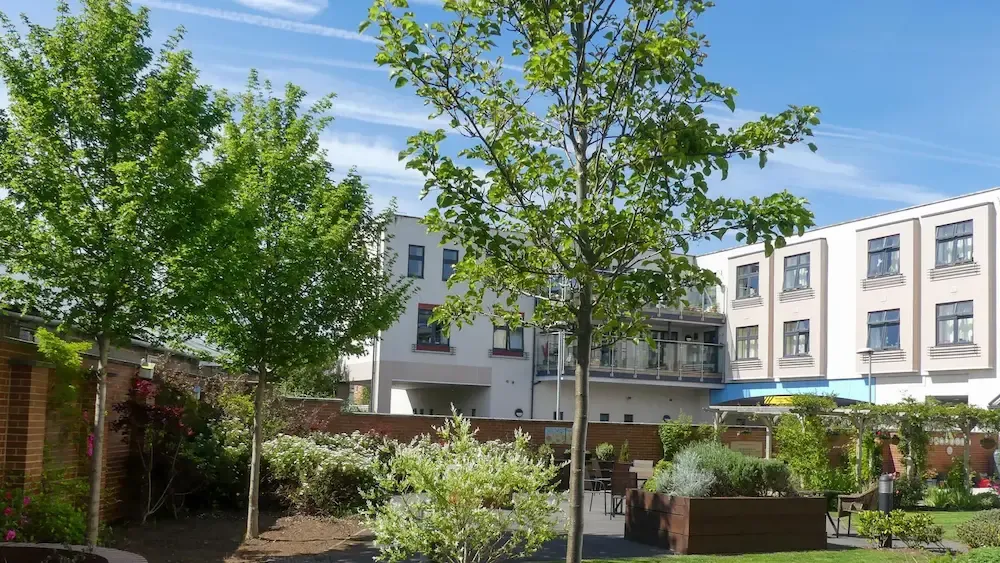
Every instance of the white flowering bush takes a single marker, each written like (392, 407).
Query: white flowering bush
(464, 500)
(321, 475)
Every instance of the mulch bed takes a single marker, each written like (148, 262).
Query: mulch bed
(218, 538)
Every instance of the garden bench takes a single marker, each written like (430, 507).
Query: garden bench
(856, 502)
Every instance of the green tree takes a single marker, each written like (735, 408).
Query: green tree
(314, 380)
(965, 418)
(594, 164)
(297, 275)
(98, 165)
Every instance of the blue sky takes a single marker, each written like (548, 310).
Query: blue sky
(907, 89)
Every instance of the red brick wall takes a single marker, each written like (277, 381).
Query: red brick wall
(36, 435)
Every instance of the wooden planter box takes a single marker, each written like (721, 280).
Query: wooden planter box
(687, 525)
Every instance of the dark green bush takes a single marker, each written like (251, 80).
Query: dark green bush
(961, 499)
(676, 435)
(907, 493)
(982, 530)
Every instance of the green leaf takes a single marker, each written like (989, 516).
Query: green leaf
(812, 147)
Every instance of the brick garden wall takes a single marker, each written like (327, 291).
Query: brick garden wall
(37, 435)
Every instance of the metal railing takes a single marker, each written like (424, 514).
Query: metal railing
(668, 357)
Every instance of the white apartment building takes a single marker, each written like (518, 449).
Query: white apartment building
(915, 287)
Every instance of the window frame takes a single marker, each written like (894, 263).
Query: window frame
(956, 316)
(884, 323)
(746, 273)
(886, 251)
(628, 418)
(745, 339)
(443, 342)
(507, 350)
(952, 239)
(604, 417)
(422, 259)
(798, 333)
(445, 263)
(797, 269)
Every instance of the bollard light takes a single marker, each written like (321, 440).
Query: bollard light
(885, 490)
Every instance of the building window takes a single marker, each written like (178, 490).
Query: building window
(954, 243)
(430, 335)
(605, 417)
(448, 264)
(954, 323)
(554, 415)
(797, 338)
(797, 272)
(415, 263)
(883, 256)
(748, 280)
(473, 412)
(431, 412)
(508, 340)
(629, 418)
(883, 330)
(746, 343)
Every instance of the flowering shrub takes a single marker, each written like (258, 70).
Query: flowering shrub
(321, 474)
(13, 514)
(465, 500)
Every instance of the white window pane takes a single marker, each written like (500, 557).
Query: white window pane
(875, 337)
(963, 308)
(946, 332)
(945, 310)
(892, 315)
(789, 279)
(499, 337)
(893, 262)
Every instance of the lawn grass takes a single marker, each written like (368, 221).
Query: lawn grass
(835, 556)
(949, 520)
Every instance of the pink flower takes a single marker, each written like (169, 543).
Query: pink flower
(27, 501)
(90, 445)
(11, 534)
(8, 511)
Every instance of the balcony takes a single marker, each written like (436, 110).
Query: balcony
(702, 308)
(666, 360)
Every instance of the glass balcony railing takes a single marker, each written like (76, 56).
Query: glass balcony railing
(667, 357)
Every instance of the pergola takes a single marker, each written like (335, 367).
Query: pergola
(768, 415)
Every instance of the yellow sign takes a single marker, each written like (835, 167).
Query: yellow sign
(778, 400)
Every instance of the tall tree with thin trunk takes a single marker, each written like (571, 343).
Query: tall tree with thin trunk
(98, 167)
(594, 158)
(299, 273)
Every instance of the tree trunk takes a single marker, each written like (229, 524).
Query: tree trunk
(584, 334)
(97, 460)
(858, 453)
(966, 452)
(253, 526)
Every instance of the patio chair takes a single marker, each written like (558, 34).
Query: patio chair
(596, 481)
(621, 481)
(857, 502)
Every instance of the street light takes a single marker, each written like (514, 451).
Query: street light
(867, 353)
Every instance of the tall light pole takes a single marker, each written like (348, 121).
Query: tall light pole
(867, 353)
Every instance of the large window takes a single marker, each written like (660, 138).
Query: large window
(746, 343)
(797, 272)
(506, 339)
(954, 243)
(448, 264)
(797, 338)
(429, 334)
(883, 256)
(415, 263)
(748, 280)
(883, 330)
(954, 323)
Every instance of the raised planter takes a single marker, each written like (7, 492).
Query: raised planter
(46, 552)
(688, 525)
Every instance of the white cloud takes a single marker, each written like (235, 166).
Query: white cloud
(321, 61)
(299, 8)
(375, 158)
(262, 21)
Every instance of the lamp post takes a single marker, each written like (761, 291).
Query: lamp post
(867, 353)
